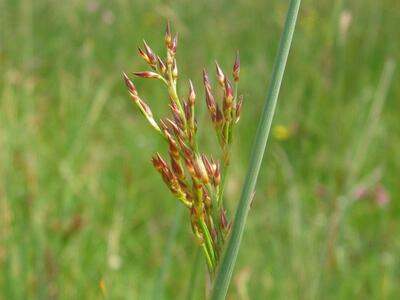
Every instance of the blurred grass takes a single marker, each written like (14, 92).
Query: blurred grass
(80, 203)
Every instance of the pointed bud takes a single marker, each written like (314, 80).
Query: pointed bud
(144, 56)
(174, 44)
(239, 108)
(158, 162)
(150, 54)
(176, 113)
(210, 101)
(168, 38)
(192, 95)
(147, 74)
(205, 79)
(228, 99)
(206, 198)
(162, 66)
(173, 147)
(201, 171)
(146, 108)
(236, 67)
(220, 74)
(178, 132)
(165, 129)
(218, 116)
(225, 226)
(176, 167)
(228, 90)
(185, 149)
(189, 166)
(129, 84)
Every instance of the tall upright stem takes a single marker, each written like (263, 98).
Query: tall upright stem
(225, 271)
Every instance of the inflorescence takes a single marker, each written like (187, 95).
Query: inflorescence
(194, 178)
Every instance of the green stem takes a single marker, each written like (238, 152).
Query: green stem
(208, 242)
(225, 271)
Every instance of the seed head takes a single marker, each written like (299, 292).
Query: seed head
(236, 67)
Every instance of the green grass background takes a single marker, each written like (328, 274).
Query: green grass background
(81, 205)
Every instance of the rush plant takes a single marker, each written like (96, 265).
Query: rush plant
(193, 177)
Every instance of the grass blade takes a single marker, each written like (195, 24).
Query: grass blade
(225, 271)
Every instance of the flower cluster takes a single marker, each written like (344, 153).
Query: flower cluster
(194, 178)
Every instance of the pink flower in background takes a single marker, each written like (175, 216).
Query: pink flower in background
(381, 196)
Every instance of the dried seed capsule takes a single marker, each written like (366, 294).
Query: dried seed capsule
(236, 67)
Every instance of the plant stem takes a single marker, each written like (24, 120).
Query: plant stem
(225, 271)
